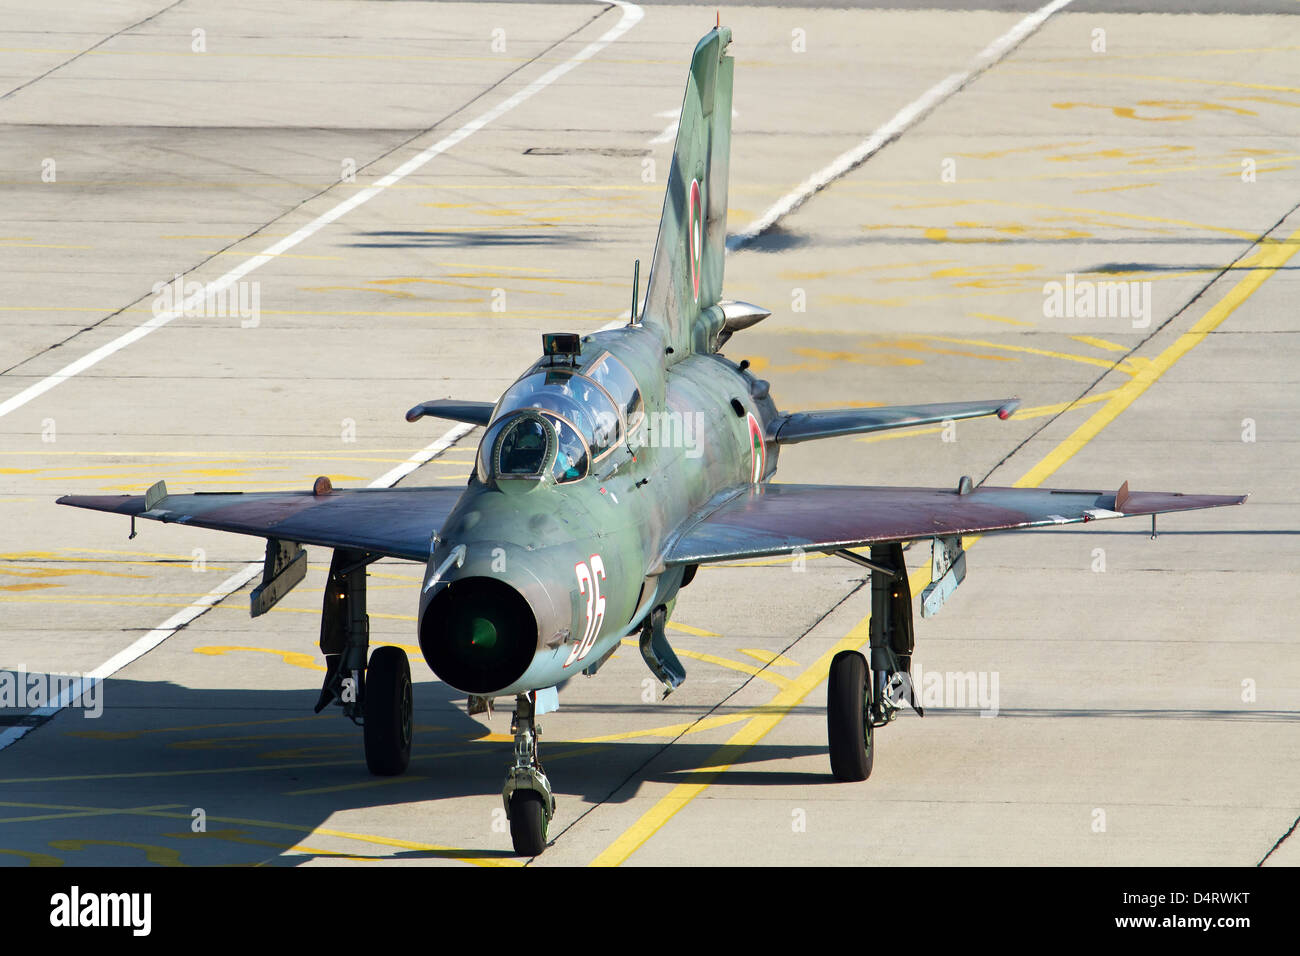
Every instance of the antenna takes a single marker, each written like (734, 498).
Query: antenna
(636, 282)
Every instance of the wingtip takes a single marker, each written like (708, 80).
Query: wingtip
(1007, 408)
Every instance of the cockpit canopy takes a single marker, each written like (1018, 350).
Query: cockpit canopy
(561, 419)
(524, 445)
(530, 444)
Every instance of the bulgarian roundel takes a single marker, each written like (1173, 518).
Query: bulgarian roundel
(696, 236)
(758, 450)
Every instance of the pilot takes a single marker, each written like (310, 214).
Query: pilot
(569, 459)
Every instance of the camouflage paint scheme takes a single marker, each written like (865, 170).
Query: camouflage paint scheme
(593, 557)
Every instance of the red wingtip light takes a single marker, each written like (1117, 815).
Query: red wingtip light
(1004, 413)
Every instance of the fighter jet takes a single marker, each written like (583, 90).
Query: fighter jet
(610, 470)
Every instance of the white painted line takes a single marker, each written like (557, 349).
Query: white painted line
(632, 15)
(426, 454)
(900, 123)
(669, 131)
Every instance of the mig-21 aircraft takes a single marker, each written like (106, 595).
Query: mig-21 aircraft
(588, 511)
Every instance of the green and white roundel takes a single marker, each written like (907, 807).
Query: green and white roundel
(696, 237)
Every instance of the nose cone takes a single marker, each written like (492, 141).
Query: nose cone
(478, 634)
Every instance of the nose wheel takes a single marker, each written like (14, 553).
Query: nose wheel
(527, 796)
(529, 822)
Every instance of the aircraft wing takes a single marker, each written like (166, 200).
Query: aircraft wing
(395, 522)
(779, 519)
(787, 429)
(471, 413)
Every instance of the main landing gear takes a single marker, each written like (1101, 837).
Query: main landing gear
(848, 717)
(527, 795)
(855, 703)
(377, 695)
(389, 712)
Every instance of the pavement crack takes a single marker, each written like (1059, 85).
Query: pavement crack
(112, 36)
(1280, 840)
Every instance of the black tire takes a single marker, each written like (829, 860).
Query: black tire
(848, 724)
(527, 822)
(388, 710)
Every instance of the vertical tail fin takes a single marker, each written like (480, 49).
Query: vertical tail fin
(686, 271)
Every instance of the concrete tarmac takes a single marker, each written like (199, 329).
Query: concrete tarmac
(1098, 697)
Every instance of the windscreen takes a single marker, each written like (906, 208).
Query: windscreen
(572, 397)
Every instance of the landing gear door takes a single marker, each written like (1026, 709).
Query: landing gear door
(947, 571)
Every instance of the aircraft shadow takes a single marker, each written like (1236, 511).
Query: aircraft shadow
(267, 775)
(779, 239)
(397, 239)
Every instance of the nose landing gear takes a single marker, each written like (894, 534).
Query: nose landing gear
(527, 795)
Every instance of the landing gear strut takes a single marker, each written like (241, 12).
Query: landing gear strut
(893, 636)
(378, 696)
(527, 796)
(861, 698)
(345, 634)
